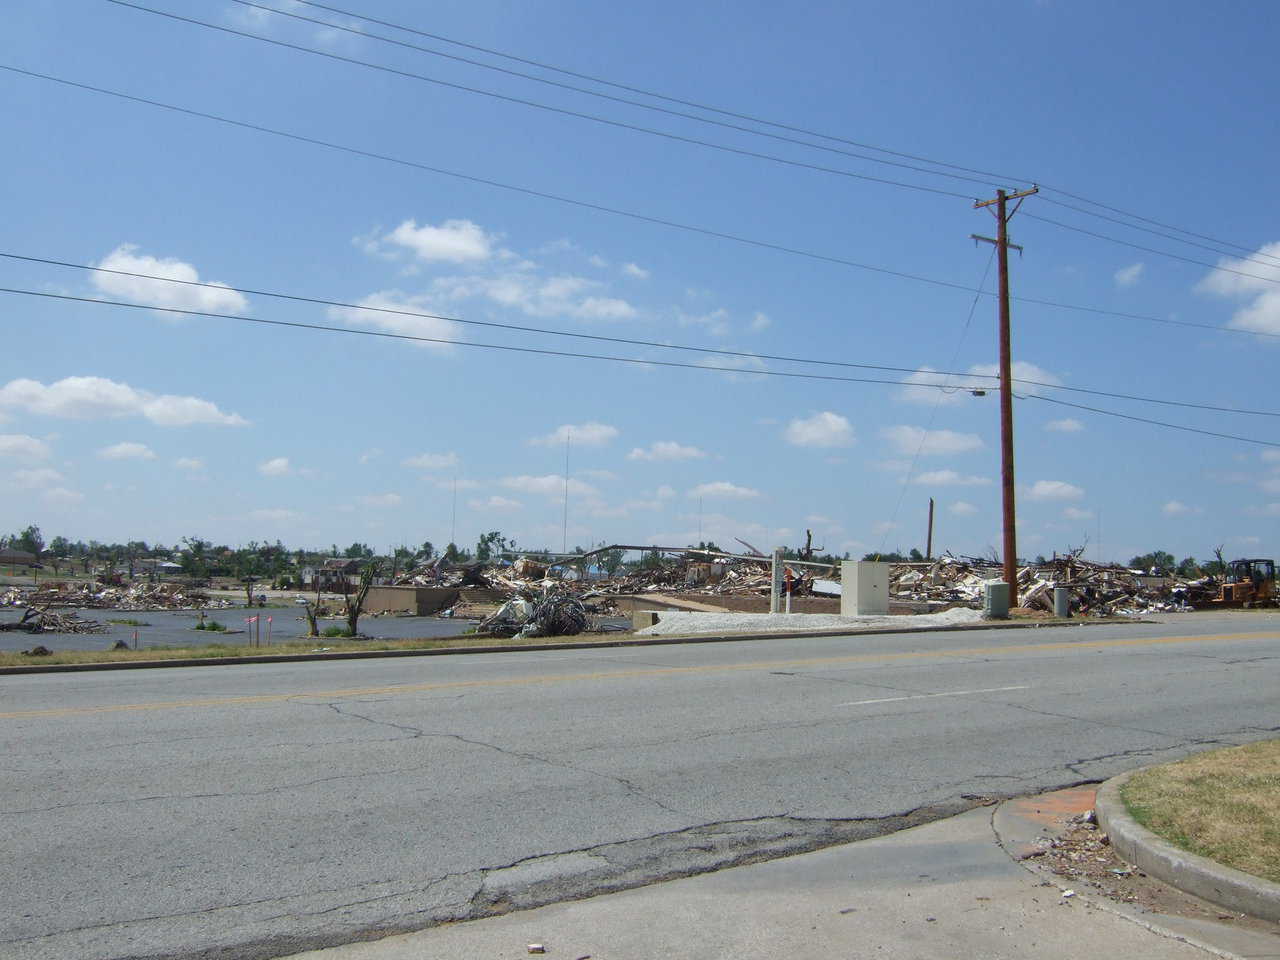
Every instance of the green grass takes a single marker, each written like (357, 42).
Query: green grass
(1223, 804)
(335, 632)
(213, 625)
(292, 645)
(129, 623)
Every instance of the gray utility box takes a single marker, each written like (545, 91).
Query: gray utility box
(864, 588)
(995, 604)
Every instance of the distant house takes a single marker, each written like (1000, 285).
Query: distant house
(334, 575)
(18, 558)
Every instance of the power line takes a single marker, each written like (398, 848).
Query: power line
(1138, 246)
(528, 191)
(1157, 423)
(937, 405)
(992, 176)
(614, 211)
(1135, 216)
(408, 74)
(413, 338)
(1258, 258)
(659, 96)
(366, 35)
(600, 338)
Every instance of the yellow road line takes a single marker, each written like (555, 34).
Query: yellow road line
(634, 674)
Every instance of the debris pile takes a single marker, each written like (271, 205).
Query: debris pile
(552, 613)
(1096, 589)
(98, 596)
(43, 620)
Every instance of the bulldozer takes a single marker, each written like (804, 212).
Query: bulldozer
(1248, 583)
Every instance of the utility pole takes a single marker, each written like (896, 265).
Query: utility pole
(1002, 245)
(928, 544)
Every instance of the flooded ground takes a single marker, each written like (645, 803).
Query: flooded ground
(176, 628)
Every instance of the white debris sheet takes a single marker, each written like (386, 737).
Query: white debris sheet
(680, 622)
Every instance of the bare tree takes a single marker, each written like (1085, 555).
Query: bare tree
(356, 604)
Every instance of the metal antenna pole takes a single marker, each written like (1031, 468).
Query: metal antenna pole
(564, 547)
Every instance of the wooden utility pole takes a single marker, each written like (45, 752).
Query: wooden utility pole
(1002, 245)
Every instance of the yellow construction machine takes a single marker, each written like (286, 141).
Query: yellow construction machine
(1249, 583)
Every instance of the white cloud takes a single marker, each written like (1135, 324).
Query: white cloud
(127, 451)
(962, 508)
(737, 368)
(275, 467)
(980, 376)
(1175, 507)
(92, 398)
(907, 440)
(370, 455)
(1075, 513)
(1261, 314)
(760, 322)
(590, 434)
(949, 478)
(1065, 425)
(495, 502)
(432, 461)
(665, 492)
(62, 497)
(217, 298)
(454, 241)
(522, 289)
(272, 515)
(715, 323)
(1130, 275)
(549, 486)
(189, 463)
(1046, 490)
(1270, 456)
(409, 316)
(1020, 370)
(722, 488)
(634, 270)
(825, 429)
(460, 484)
(20, 447)
(666, 450)
(36, 478)
(597, 261)
(918, 388)
(380, 499)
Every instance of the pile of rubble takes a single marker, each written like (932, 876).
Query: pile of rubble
(43, 620)
(1096, 589)
(140, 596)
(553, 613)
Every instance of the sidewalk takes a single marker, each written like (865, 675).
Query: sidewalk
(936, 892)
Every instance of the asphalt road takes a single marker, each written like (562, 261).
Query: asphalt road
(254, 811)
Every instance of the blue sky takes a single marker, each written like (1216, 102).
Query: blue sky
(125, 423)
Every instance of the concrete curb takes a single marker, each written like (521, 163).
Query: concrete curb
(1199, 876)
(529, 648)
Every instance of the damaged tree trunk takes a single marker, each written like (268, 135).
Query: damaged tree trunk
(354, 606)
